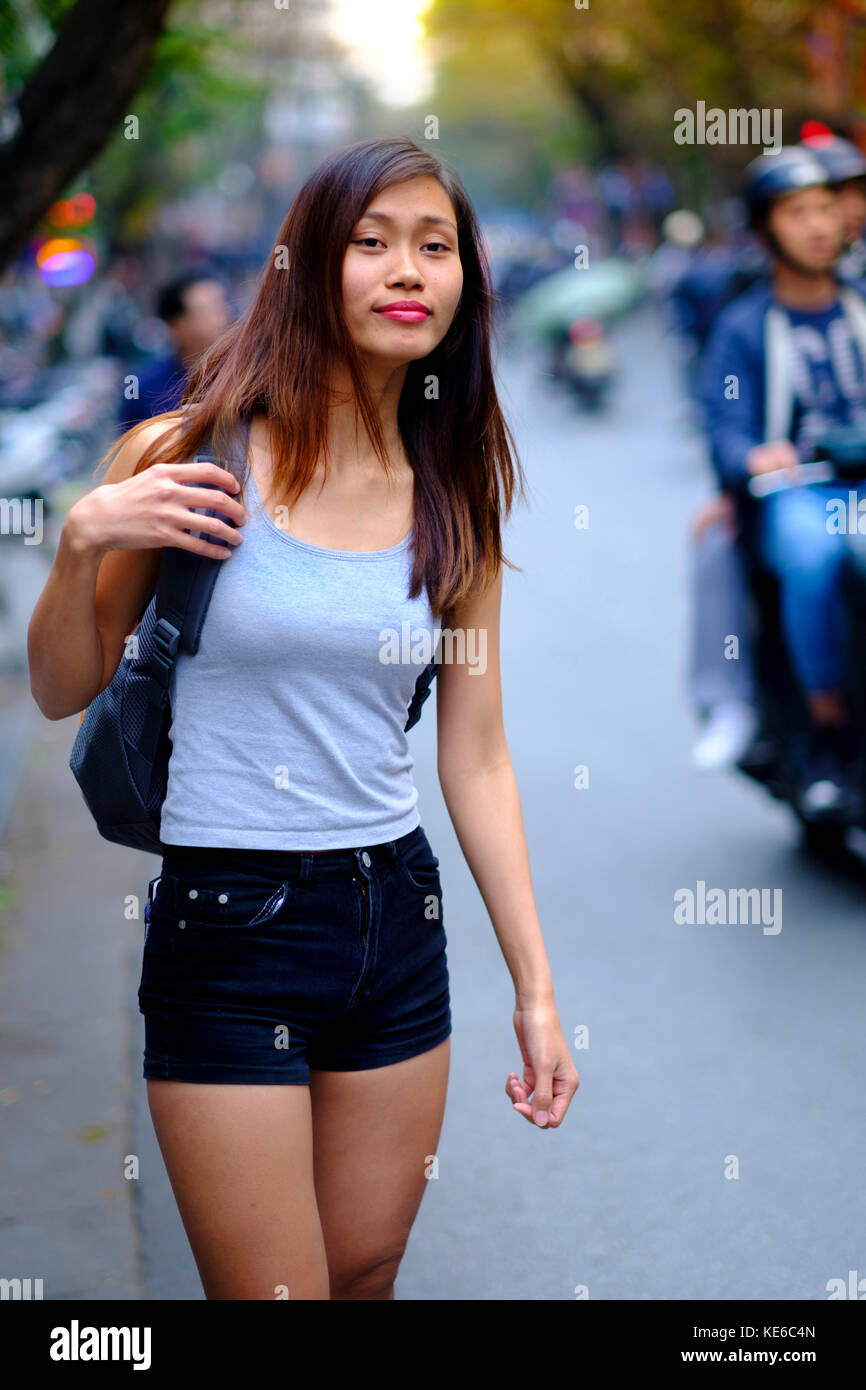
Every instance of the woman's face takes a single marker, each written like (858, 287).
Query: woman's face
(402, 249)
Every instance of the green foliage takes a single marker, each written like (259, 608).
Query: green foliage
(194, 79)
(188, 80)
(27, 29)
(627, 65)
(506, 121)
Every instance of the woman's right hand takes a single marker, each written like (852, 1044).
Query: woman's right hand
(152, 509)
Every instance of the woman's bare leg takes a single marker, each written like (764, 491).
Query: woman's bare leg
(374, 1135)
(240, 1162)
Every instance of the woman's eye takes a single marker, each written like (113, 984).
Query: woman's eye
(367, 240)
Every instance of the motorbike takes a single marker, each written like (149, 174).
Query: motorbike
(775, 758)
(583, 360)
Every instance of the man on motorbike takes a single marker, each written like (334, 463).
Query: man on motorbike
(765, 415)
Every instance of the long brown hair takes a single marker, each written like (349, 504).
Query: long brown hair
(276, 360)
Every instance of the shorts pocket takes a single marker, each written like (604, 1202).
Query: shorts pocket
(420, 866)
(194, 899)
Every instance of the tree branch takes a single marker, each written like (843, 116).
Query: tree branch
(71, 106)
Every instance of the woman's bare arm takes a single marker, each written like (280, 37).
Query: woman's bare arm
(481, 794)
(483, 801)
(105, 569)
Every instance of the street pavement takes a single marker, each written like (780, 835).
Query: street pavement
(67, 1208)
(714, 1149)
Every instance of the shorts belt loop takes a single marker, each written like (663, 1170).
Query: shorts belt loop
(306, 867)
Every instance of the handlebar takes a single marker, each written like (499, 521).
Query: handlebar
(780, 479)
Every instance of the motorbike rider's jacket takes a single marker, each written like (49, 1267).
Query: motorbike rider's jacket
(771, 372)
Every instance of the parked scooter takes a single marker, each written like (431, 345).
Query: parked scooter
(776, 756)
(584, 360)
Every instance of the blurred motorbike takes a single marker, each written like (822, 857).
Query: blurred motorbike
(776, 757)
(50, 431)
(52, 427)
(584, 360)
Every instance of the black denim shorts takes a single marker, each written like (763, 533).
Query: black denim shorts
(259, 964)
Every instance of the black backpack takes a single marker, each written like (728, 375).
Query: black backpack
(121, 751)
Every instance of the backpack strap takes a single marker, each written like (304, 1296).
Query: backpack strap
(423, 687)
(183, 592)
(778, 375)
(185, 582)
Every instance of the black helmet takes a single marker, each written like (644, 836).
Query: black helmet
(770, 176)
(839, 157)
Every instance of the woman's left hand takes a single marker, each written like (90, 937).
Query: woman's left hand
(549, 1075)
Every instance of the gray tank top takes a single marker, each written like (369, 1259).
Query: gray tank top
(287, 725)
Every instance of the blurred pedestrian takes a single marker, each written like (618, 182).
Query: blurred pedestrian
(195, 308)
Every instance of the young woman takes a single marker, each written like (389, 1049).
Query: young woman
(294, 984)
